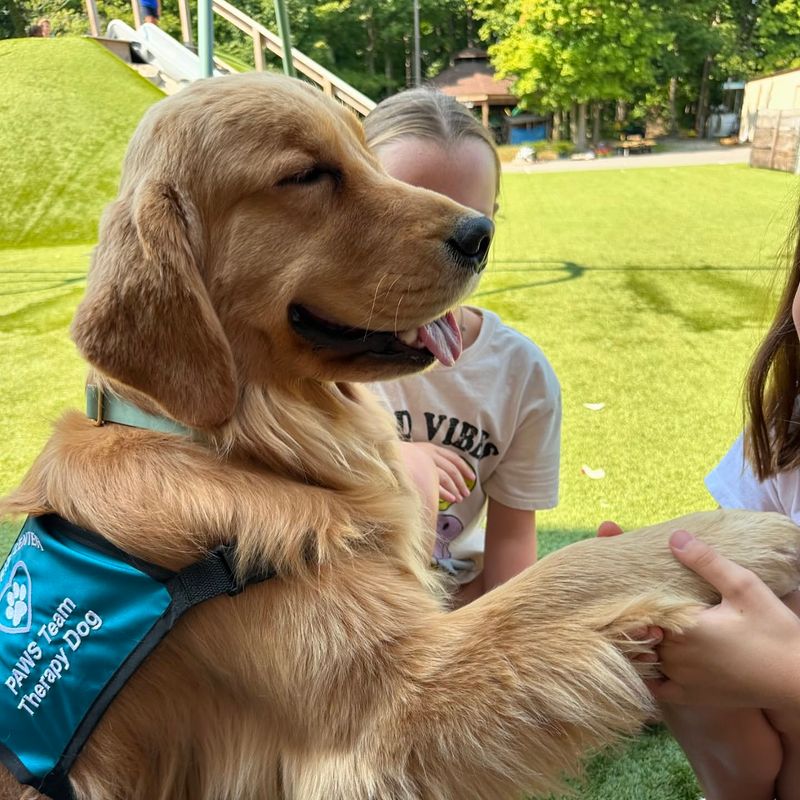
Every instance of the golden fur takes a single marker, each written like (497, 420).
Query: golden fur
(343, 678)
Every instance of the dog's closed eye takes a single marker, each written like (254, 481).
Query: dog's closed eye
(311, 175)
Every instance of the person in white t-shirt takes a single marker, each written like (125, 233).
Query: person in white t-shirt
(483, 434)
(732, 689)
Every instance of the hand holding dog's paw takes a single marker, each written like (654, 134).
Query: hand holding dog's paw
(743, 652)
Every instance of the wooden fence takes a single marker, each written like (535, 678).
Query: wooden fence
(776, 143)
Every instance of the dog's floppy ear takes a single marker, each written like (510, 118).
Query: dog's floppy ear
(146, 319)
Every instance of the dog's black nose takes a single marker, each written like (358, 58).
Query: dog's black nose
(469, 244)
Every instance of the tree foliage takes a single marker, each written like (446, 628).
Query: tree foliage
(367, 44)
(658, 54)
(655, 56)
(565, 51)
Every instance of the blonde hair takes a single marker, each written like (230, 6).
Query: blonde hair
(426, 114)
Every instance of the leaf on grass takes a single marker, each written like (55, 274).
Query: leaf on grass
(594, 406)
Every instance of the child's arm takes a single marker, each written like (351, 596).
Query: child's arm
(510, 547)
(510, 543)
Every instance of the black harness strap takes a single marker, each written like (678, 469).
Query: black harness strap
(212, 576)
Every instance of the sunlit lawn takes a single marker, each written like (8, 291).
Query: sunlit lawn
(648, 290)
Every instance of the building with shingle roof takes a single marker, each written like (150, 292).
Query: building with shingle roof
(471, 79)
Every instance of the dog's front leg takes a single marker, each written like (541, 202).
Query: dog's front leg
(406, 702)
(510, 693)
(518, 694)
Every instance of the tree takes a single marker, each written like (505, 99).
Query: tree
(12, 19)
(766, 36)
(563, 51)
(712, 40)
(367, 44)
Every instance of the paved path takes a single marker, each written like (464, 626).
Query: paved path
(683, 158)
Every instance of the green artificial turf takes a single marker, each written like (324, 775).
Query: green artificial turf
(68, 108)
(41, 370)
(647, 289)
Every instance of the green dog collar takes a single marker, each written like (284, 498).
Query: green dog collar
(107, 407)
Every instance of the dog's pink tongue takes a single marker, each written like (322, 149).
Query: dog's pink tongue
(443, 338)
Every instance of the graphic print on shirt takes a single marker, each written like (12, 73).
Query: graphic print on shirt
(449, 431)
(448, 528)
(474, 444)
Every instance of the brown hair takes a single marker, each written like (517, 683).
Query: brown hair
(426, 114)
(772, 439)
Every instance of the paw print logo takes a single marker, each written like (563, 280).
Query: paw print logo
(16, 601)
(16, 607)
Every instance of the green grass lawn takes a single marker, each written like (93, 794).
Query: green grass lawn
(648, 290)
(68, 108)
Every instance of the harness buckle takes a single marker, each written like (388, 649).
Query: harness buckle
(98, 393)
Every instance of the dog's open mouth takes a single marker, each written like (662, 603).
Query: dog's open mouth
(440, 339)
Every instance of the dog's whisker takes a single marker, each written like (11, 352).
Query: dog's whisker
(374, 300)
(397, 311)
(387, 291)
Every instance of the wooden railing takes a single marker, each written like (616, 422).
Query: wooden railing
(263, 39)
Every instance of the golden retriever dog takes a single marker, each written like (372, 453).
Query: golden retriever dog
(256, 266)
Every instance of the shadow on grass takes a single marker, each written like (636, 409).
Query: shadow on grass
(48, 285)
(572, 272)
(44, 314)
(554, 265)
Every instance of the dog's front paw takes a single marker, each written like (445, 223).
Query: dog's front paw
(768, 544)
(619, 569)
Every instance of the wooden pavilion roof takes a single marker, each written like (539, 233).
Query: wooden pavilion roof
(471, 77)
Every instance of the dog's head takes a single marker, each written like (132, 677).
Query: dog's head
(256, 238)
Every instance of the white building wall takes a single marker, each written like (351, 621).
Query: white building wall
(780, 92)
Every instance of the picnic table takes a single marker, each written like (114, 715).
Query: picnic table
(635, 143)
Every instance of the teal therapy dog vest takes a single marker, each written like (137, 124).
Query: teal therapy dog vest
(77, 617)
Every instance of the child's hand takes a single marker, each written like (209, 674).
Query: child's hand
(453, 471)
(744, 652)
(608, 528)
